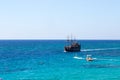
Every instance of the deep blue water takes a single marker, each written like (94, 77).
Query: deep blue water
(46, 60)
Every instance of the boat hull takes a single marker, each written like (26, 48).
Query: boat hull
(71, 49)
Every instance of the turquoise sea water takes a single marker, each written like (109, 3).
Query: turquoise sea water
(46, 60)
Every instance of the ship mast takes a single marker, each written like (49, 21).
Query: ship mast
(71, 39)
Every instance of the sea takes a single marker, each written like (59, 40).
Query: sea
(46, 60)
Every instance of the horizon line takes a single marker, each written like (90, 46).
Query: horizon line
(58, 39)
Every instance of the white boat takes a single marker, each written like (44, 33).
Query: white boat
(89, 58)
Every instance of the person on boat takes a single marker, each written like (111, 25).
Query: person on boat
(89, 58)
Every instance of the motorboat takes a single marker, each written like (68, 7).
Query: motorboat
(89, 58)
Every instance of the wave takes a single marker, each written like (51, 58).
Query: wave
(99, 49)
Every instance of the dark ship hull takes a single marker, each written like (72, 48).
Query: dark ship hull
(74, 47)
(67, 49)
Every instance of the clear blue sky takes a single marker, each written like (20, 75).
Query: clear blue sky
(56, 19)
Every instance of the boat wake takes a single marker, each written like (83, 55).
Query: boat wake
(99, 49)
(108, 59)
(81, 58)
(76, 57)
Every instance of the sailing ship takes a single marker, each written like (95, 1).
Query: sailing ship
(73, 46)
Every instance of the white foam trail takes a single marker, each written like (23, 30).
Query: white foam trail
(94, 58)
(78, 57)
(99, 49)
(109, 59)
(83, 58)
(64, 51)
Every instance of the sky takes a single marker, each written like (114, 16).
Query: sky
(57, 19)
